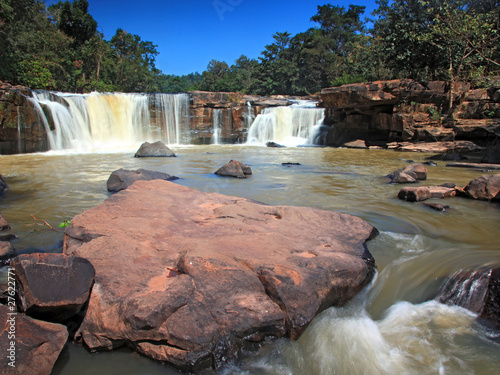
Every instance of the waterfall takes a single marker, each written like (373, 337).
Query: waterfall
(217, 116)
(291, 125)
(90, 122)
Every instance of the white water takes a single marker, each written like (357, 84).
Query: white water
(217, 117)
(290, 126)
(96, 122)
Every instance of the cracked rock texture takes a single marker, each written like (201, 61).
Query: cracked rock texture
(190, 278)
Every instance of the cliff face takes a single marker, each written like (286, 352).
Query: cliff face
(21, 129)
(406, 110)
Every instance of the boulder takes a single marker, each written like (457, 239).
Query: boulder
(122, 178)
(234, 169)
(52, 287)
(190, 277)
(273, 144)
(422, 193)
(157, 149)
(29, 346)
(410, 174)
(486, 187)
(477, 290)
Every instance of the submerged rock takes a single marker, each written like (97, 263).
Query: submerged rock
(52, 287)
(234, 168)
(37, 344)
(122, 178)
(3, 185)
(274, 144)
(190, 277)
(157, 149)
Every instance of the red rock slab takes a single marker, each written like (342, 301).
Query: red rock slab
(189, 277)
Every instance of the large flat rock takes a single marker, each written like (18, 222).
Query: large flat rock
(190, 277)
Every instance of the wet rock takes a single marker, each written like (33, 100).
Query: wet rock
(273, 144)
(3, 224)
(36, 346)
(422, 193)
(234, 168)
(410, 174)
(437, 206)
(122, 178)
(3, 186)
(477, 290)
(193, 277)
(481, 166)
(157, 149)
(289, 164)
(486, 187)
(52, 287)
(6, 250)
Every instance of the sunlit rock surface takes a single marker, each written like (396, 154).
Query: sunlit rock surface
(190, 277)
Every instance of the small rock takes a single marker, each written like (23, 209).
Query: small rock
(3, 185)
(437, 207)
(422, 193)
(122, 178)
(37, 343)
(6, 250)
(359, 143)
(3, 224)
(409, 174)
(157, 149)
(52, 287)
(234, 169)
(288, 164)
(273, 144)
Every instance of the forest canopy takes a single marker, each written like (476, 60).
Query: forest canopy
(60, 48)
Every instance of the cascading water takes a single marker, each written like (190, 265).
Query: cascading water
(292, 125)
(217, 117)
(92, 122)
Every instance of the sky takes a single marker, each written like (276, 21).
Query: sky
(190, 33)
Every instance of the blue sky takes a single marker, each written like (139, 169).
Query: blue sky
(190, 33)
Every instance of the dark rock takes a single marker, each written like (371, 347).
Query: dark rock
(481, 166)
(234, 169)
(430, 163)
(486, 187)
(37, 344)
(157, 149)
(122, 178)
(422, 193)
(477, 290)
(409, 174)
(6, 250)
(448, 157)
(273, 144)
(3, 185)
(494, 156)
(288, 164)
(52, 287)
(7, 237)
(199, 276)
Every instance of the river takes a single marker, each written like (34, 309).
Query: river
(394, 327)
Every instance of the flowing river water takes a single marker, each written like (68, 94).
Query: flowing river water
(393, 327)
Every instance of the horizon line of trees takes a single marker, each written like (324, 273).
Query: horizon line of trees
(60, 48)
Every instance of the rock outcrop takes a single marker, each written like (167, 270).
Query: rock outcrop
(190, 278)
(35, 346)
(52, 287)
(123, 178)
(406, 110)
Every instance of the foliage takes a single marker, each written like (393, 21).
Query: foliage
(60, 48)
